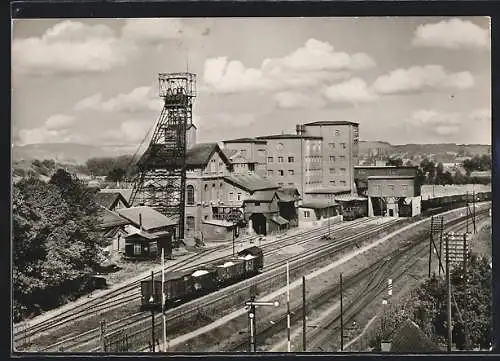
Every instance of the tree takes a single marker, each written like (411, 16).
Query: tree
(116, 175)
(397, 162)
(55, 243)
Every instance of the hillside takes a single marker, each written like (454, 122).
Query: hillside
(71, 153)
(411, 150)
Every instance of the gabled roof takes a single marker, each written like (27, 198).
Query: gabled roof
(109, 219)
(245, 140)
(328, 190)
(151, 219)
(261, 196)
(250, 182)
(109, 200)
(199, 154)
(318, 204)
(409, 338)
(333, 122)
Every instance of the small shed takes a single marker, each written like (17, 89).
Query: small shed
(315, 209)
(148, 219)
(111, 200)
(217, 230)
(144, 245)
(282, 223)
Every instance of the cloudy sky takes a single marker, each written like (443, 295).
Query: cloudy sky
(94, 81)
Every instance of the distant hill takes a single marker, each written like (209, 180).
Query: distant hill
(71, 153)
(367, 147)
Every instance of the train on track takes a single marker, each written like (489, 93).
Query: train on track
(441, 204)
(180, 287)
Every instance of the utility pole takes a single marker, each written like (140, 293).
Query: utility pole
(430, 245)
(467, 211)
(103, 335)
(304, 325)
(288, 306)
(341, 315)
(163, 299)
(152, 299)
(474, 210)
(448, 286)
(251, 318)
(234, 226)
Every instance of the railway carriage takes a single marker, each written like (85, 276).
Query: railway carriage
(180, 287)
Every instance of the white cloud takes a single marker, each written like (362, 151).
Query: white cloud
(452, 34)
(139, 99)
(130, 131)
(161, 29)
(432, 121)
(480, 115)
(309, 66)
(70, 47)
(299, 100)
(351, 91)
(54, 130)
(422, 78)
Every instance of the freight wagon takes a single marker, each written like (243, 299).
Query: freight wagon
(180, 287)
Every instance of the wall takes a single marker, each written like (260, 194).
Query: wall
(263, 207)
(312, 221)
(216, 233)
(361, 174)
(255, 152)
(338, 162)
(416, 207)
(391, 188)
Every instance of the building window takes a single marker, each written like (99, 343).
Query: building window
(332, 170)
(337, 132)
(291, 172)
(239, 196)
(190, 195)
(405, 187)
(190, 222)
(257, 204)
(332, 159)
(137, 249)
(261, 152)
(342, 170)
(243, 152)
(342, 183)
(282, 172)
(269, 159)
(231, 196)
(342, 158)
(280, 184)
(307, 214)
(290, 184)
(280, 159)
(205, 218)
(251, 167)
(269, 173)
(332, 182)
(291, 159)
(391, 187)
(343, 145)
(331, 145)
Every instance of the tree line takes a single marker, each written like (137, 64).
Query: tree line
(427, 307)
(56, 244)
(429, 172)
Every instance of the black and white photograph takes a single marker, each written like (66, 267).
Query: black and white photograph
(251, 185)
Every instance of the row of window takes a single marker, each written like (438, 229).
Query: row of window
(333, 158)
(334, 183)
(334, 171)
(404, 187)
(341, 145)
(281, 184)
(280, 172)
(281, 159)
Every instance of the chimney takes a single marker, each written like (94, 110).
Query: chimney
(300, 129)
(140, 222)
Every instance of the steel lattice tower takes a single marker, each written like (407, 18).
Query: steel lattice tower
(161, 182)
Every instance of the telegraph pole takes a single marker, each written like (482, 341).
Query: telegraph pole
(341, 315)
(288, 306)
(474, 210)
(467, 211)
(304, 326)
(163, 299)
(152, 299)
(430, 245)
(448, 286)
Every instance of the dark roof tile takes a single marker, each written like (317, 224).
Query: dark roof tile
(151, 219)
(251, 182)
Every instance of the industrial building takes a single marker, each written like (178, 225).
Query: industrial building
(391, 191)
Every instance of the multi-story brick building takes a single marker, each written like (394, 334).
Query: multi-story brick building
(251, 149)
(340, 150)
(294, 161)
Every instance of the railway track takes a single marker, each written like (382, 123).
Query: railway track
(368, 283)
(129, 293)
(278, 277)
(88, 341)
